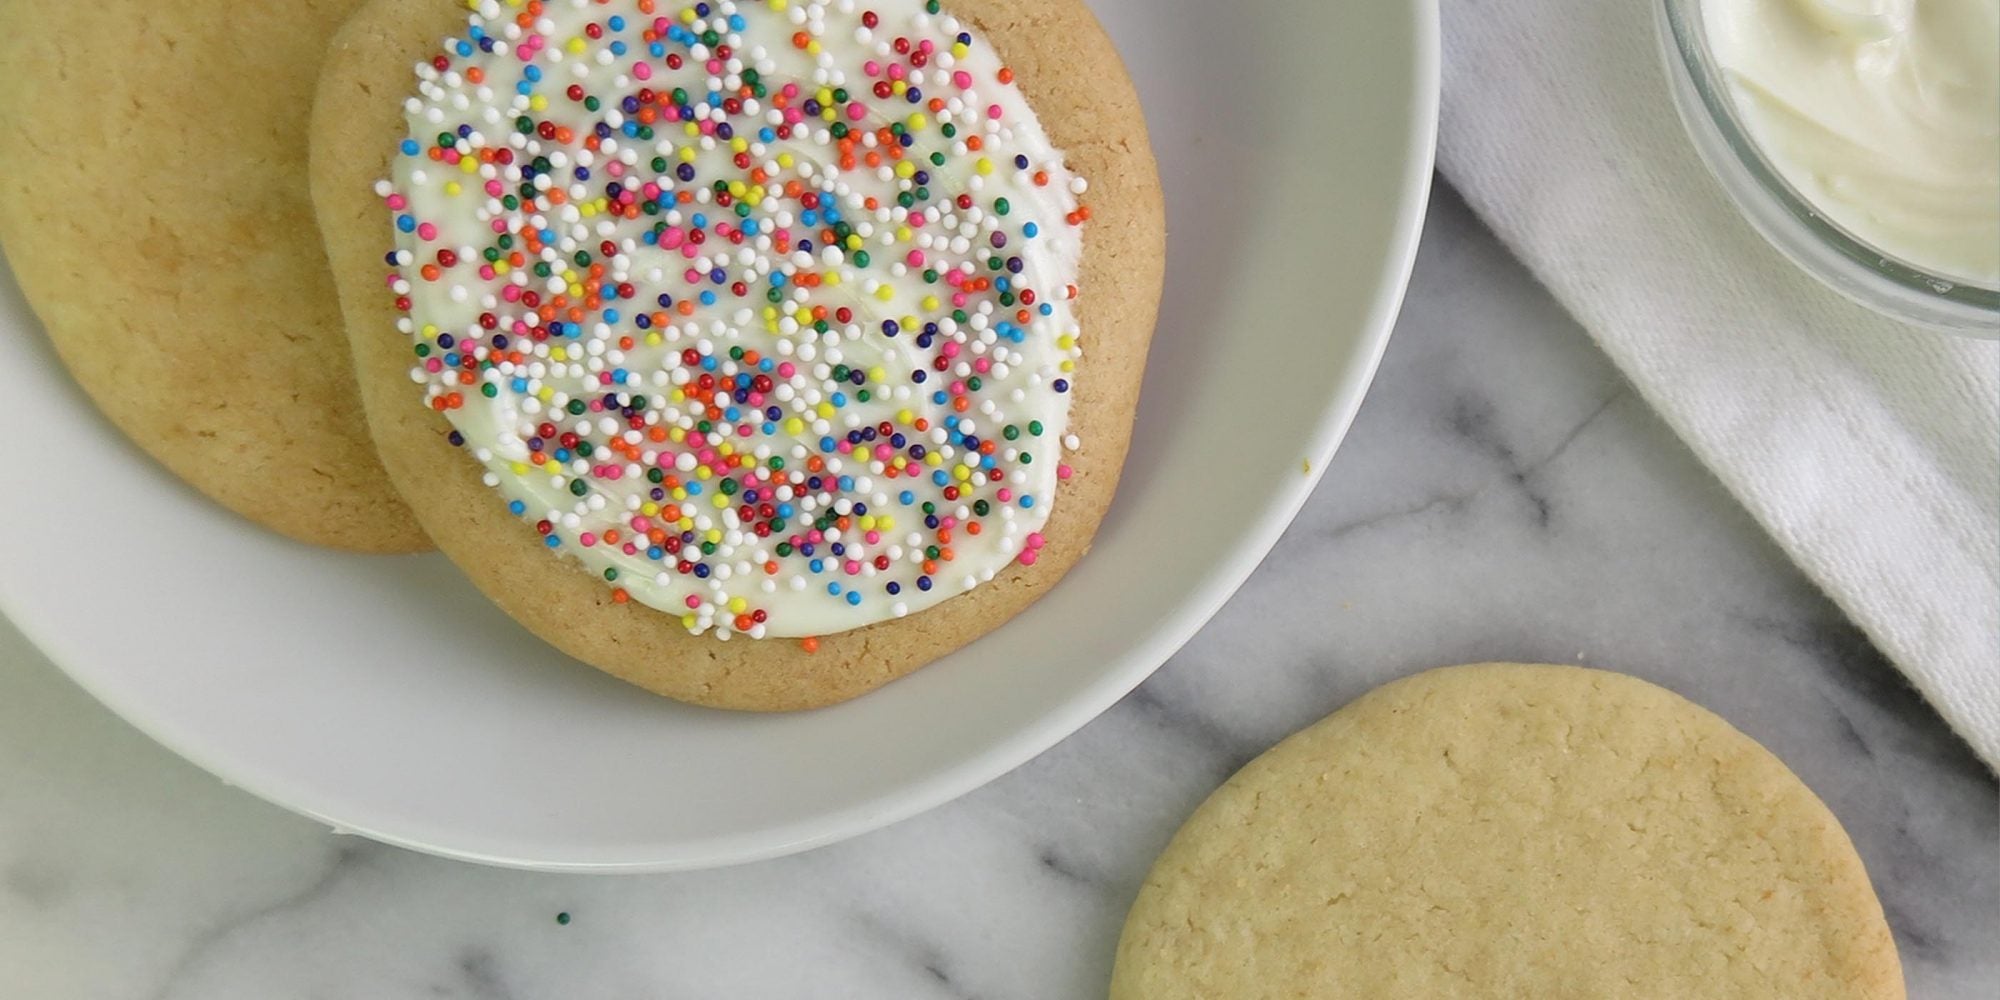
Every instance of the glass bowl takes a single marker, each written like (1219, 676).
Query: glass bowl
(1847, 264)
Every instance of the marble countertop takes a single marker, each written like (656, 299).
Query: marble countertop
(1504, 495)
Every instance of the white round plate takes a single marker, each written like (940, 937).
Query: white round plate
(384, 696)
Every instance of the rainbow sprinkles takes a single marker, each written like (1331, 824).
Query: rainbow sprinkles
(762, 311)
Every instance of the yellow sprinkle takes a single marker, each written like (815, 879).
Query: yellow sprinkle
(576, 46)
(520, 468)
(701, 472)
(885, 293)
(825, 411)
(650, 509)
(786, 161)
(738, 605)
(933, 460)
(795, 426)
(1065, 341)
(545, 394)
(930, 303)
(538, 103)
(454, 187)
(984, 166)
(877, 375)
(903, 416)
(558, 354)
(905, 168)
(654, 340)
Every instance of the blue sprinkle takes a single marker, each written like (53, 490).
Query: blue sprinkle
(854, 597)
(516, 508)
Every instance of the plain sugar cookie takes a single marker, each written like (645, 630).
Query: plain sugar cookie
(755, 352)
(1510, 831)
(153, 206)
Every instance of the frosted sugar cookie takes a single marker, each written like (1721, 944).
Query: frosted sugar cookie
(755, 352)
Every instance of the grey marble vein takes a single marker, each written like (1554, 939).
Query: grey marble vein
(1503, 495)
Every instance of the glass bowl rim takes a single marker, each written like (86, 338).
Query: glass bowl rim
(1682, 26)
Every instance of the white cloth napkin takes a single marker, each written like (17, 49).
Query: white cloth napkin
(1871, 451)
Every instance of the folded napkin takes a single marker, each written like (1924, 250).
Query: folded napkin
(1870, 450)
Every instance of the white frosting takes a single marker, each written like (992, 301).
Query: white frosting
(1885, 114)
(504, 409)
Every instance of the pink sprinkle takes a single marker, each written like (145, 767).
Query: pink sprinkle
(785, 370)
(873, 537)
(916, 258)
(434, 365)
(426, 231)
(1004, 494)
(587, 539)
(872, 68)
(853, 568)
(486, 272)
(694, 601)
(1063, 471)
(983, 365)
(630, 549)
(963, 79)
(856, 111)
(1035, 540)
(993, 111)
(1028, 557)
(396, 202)
(642, 71)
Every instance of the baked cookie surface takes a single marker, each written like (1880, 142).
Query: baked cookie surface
(154, 207)
(1510, 831)
(1069, 74)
